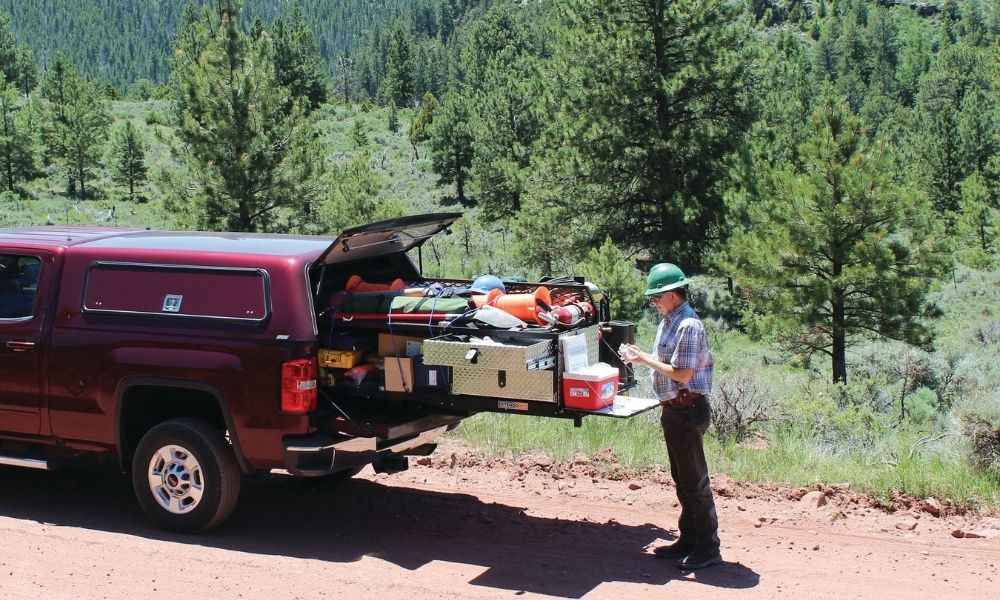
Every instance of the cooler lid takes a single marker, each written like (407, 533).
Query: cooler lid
(392, 236)
(596, 372)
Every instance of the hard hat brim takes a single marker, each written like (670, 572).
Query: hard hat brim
(668, 287)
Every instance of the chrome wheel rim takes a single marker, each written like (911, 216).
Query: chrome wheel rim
(175, 479)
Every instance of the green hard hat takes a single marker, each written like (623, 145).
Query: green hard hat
(665, 277)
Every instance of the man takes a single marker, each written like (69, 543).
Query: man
(681, 367)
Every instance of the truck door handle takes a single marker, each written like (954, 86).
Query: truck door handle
(20, 346)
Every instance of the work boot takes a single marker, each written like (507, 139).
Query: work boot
(699, 559)
(678, 549)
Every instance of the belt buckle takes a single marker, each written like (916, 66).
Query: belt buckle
(685, 398)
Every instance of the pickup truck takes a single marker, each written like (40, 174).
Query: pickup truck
(193, 358)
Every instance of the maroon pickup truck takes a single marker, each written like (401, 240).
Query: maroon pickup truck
(193, 358)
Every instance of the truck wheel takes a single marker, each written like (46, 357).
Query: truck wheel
(185, 476)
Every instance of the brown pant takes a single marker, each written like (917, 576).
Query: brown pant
(683, 429)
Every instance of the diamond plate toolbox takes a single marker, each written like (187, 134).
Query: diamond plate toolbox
(510, 355)
(521, 385)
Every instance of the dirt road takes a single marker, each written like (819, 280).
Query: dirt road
(464, 527)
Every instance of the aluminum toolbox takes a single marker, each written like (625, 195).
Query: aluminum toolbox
(519, 385)
(510, 354)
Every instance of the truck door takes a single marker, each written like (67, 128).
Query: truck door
(21, 317)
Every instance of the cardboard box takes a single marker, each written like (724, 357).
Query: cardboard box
(399, 374)
(411, 374)
(399, 345)
(590, 388)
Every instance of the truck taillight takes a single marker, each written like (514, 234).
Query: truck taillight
(298, 386)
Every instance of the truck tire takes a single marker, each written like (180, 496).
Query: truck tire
(185, 476)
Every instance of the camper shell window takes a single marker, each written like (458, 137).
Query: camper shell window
(178, 292)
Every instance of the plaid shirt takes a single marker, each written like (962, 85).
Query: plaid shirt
(681, 342)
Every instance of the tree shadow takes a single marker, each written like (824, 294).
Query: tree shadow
(565, 557)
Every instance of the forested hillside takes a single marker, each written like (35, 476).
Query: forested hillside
(829, 168)
(120, 43)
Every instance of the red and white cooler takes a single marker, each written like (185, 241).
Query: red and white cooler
(590, 388)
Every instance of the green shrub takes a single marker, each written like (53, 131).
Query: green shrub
(979, 423)
(920, 407)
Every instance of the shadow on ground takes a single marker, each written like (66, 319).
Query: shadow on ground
(407, 527)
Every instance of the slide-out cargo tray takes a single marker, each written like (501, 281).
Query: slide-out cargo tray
(623, 408)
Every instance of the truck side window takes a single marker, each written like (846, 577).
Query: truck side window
(18, 285)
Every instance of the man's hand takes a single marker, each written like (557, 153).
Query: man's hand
(632, 354)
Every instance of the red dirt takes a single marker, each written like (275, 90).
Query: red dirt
(462, 526)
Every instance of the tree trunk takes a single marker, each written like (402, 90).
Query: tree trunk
(81, 175)
(839, 337)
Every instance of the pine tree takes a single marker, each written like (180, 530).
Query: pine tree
(393, 118)
(618, 277)
(840, 252)
(505, 90)
(256, 165)
(75, 124)
(128, 159)
(978, 224)
(354, 197)
(359, 134)
(653, 97)
(54, 89)
(298, 64)
(509, 124)
(17, 145)
(420, 124)
(978, 134)
(8, 50)
(87, 116)
(399, 77)
(27, 71)
(451, 144)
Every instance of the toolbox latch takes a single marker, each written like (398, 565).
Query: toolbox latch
(501, 379)
(472, 356)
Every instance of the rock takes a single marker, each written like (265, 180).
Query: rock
(813, 500)
(906, 525)
(581, 459)
(958, 533)
(741, 508)
(425, 461)
(816, 547)
(635, 486)
(931, 506)
(543, 461)
(973, 535)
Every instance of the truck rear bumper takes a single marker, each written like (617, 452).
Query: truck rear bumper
(323, 453)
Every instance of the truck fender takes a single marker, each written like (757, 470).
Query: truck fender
(183, 384)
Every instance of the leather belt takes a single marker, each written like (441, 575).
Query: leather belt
(683, 399)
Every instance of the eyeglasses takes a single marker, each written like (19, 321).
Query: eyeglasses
(653, 300)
